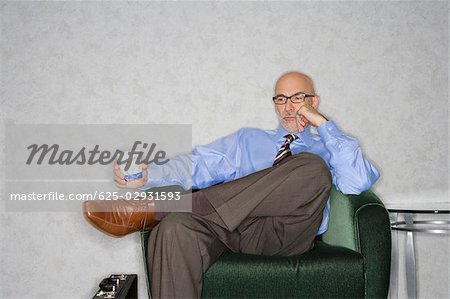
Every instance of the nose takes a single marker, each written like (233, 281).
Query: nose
(290, 106)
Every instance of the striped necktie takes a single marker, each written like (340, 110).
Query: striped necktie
(285, 150)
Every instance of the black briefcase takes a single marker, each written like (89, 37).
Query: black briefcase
(118, 286)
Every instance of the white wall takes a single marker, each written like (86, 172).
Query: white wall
(381, 69)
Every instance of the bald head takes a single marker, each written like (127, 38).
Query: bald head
(289, 84)
(293, 82)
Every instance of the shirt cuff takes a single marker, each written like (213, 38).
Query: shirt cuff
(328, 131)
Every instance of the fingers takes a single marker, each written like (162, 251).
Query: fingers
(301, 120)
(120, 182)
(306, 112)
(145, 173)
(119, 177)
(117, 170)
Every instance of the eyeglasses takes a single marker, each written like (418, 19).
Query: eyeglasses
(297, 98)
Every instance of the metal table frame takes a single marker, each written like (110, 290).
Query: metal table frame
(411, 226)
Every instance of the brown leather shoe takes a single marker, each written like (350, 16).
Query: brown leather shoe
(120, 217)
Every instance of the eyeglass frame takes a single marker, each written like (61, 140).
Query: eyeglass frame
(290, 98)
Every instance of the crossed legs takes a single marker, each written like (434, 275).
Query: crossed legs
(276, 211)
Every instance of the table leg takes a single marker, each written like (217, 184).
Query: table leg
(410, 259)
(393, 287)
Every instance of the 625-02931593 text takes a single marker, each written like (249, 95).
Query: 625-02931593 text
(130, 195)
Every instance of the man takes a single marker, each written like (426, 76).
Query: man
(272, 198)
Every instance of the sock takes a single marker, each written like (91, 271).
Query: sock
(200, 206)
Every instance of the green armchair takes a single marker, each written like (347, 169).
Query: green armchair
(351, 260)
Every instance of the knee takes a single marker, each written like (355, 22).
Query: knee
(174, 225)
(311, 165)
(308, 159)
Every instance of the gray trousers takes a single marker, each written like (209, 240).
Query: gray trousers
(276, 211)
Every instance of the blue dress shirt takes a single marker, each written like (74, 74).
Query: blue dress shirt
(250, 150)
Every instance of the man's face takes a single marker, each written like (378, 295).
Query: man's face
(289, 85)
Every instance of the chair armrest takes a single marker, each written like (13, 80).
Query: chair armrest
(361, 223)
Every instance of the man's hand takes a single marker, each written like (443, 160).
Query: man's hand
(307, 114)
(119, 178)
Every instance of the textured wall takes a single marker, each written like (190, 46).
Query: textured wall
(381, 69)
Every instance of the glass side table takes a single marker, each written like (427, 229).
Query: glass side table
(408, 211)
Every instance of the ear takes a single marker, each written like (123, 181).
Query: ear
(316, 101)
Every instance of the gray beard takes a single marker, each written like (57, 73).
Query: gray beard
(294, 129)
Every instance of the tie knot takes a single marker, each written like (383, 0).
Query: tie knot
(290, 137)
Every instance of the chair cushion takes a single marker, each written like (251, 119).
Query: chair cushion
(325, 271)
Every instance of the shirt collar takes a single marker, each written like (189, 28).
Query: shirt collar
(305, 136)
